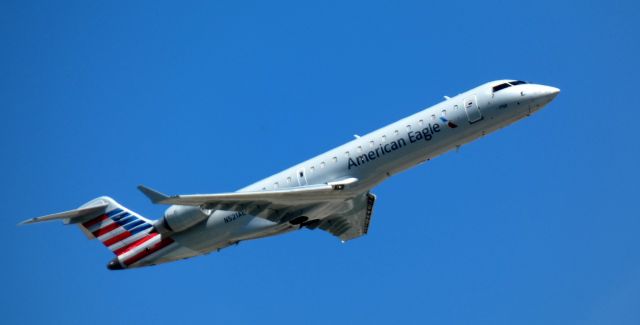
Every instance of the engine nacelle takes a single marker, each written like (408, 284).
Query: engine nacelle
(180, 217)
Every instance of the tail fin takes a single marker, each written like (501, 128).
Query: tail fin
(128, 235)
(118, 228)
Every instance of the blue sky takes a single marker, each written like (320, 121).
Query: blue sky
(535, 224)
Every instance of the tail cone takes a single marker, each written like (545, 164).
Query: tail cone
(115, 265)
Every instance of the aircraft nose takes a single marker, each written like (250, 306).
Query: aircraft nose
(547, 93)
(550, 92)
(540, 94)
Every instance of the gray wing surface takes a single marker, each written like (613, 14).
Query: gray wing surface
(352, 223)
(275, 205)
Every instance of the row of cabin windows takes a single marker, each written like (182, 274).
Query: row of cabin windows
(334, 159)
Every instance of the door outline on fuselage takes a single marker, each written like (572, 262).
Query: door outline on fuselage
(472, 109)
(301, 175)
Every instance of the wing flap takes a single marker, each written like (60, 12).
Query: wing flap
(353, 223)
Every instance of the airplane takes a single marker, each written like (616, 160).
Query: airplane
(331, 191)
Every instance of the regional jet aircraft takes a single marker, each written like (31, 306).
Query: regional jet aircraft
(331, 191)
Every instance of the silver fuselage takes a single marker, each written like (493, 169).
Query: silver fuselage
(371, 159)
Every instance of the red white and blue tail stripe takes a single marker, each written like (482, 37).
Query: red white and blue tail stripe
(117, 228)
(128, 235)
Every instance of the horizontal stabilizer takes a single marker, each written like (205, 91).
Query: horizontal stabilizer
(77, 213)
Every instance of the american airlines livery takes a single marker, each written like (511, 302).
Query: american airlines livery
(330, 191)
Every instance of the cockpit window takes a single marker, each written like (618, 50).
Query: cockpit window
(507, 85)
(501, 86)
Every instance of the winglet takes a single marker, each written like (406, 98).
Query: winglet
(153, 195)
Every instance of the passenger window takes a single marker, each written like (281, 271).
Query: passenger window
(384, 138)
(409, 127)
(289, 179)
(275, 185)
(322, 164)
(335, 159)
(359, 148)
(312, 169)
(371, 143)
(420, 122)
(346, 154)
(444, 113)
(433, 117)
(396, 132)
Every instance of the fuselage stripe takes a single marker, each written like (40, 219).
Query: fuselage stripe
(94, 221)
(117, 238)
(105, 229)
(117, 217)
(126, 241)
(111, 234)
(100, 224)
(133, 224)
(150, 250)
(126, 220)
(113, 212)
(140, 228)
(135, 244)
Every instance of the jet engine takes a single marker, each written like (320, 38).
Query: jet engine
(180, 217)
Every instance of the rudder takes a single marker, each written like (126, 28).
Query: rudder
(118, 228)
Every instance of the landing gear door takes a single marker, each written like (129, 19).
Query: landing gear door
(471, 107)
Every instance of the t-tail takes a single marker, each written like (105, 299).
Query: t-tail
(128, 235)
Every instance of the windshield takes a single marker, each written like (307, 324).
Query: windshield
(507, 85)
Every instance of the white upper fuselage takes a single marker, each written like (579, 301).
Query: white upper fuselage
(496, 110)
(372, 158)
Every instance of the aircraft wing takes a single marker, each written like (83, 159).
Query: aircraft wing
(275, 205)
(352, 223)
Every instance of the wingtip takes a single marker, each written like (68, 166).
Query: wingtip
(26, 222)
(29, 221)
(153, 195)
